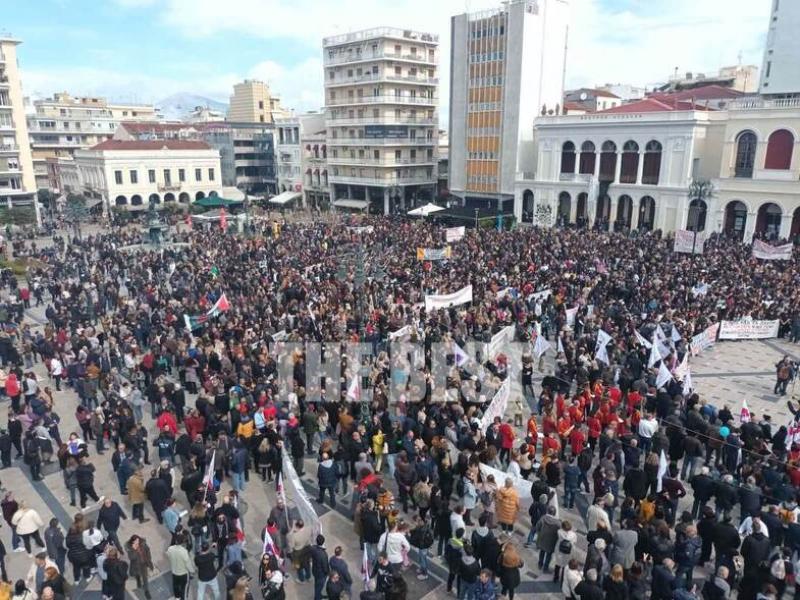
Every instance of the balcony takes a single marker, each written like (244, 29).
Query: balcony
(382, 181)
(577, 177)
(382, 162)
(382, 77)
(415, 100)
(381, 32)
(9, 148)
(345, 121)
(381, 142)
(7, 126)
(763, 103)
(6, 172)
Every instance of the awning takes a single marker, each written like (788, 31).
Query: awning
(92, 202)
(424, 211)
(217, 202)
(284, 197)
(357, 204)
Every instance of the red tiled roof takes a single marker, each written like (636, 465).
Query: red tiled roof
(652, 104)
(707, 92)
(152, 126)
(575, 106)
(151, 145)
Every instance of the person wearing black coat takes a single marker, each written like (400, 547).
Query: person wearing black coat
(750, 498)
(726, 494)
(705, 529)
(81, 557)
(663, 581)
(588, 589)
(635, 484)
(320, 566)
(726, 539)
(84, 477)
(703, 486)
(158, 493)
(755, 550)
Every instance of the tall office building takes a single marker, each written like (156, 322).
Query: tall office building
(780, 73)
(252, 102)
(381, 118)
(17, 181)
(506, 68)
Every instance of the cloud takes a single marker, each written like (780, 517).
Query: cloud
(300, 85)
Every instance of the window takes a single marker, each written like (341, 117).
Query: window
(261, 104)
(181, 175)
(211, 174)
(376, 154)
(568, 157)
(167, 177)
(134, 177)
(198, 174)
(651, 169)
(779, 150)
(151, 175)
(630, 162)
(118, 177)
(745, 154)
(587, 160)
(769, 68)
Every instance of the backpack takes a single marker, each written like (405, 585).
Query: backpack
(461, 487)
(565, 547)
(485, 497)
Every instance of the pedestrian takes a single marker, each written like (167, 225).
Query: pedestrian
(84, 476)
(137, 495)
(507, 505)
(547, 537)
(565, 549)
(206, 572)
(116, 571)
(54, 542)
(110, 518)
(326, 479)
(80, 557)
(181, 566)
(141, 562)
(509, 565)
(421, 537)
(27, 523)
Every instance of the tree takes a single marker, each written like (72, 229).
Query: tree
(17, 215)
(76, 211)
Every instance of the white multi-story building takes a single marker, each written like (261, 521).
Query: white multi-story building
(63, 124)
(132, 174)
(17, 181)
(631, 167)
(507, 67)
(381, 117)
(780, 73)
(314, 161)
(288, 158)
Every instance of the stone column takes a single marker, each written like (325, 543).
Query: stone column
(750, 226)
(786, 226)
(612, 213)
(640, 169)
(618, 167)
(577, 167)
(385, 201)
(636, 212)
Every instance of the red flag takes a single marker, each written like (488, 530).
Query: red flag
(223, 220)
(188, 220)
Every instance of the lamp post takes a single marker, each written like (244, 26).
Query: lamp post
(477, 210)
(700, 192)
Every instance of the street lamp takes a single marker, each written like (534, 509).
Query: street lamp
(477, 210)
(700, 192)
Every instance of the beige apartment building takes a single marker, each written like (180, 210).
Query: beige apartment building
(63, 123)
(253, 102)
(381, 121)
(17, 182)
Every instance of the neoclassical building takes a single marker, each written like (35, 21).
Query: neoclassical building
(630, 167)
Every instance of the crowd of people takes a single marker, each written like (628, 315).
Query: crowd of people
(178, 357)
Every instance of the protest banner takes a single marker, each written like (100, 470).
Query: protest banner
(765, 251)
(522, 486)
(403, 332)
(453, 234)
(497, 407)
(748, 329)
(540, 295)
(503, 337)
(704, 339)
(685, 240)
(298, 494)
(362, 229)
(571, 312)
(433, 253)
(462, 296)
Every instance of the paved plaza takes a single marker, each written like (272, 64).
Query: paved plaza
(723, 374)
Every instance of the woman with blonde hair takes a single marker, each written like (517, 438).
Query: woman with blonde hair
(614, 585)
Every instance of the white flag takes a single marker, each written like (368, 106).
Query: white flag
(662, 469)
(541, 346)
(682, 369)
(655, 355)
(687, 383)
(676, 336)
(643, 340)
(744, 414)
(354, 389)
(208, 478)
(560, 347)
(664, 376)
(461, 357)
(600, 352)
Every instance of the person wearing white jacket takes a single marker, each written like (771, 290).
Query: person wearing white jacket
(394, 544)
(27, 521)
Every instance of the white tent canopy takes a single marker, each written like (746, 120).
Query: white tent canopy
(347, 203)
(284, 197)
(424, 211)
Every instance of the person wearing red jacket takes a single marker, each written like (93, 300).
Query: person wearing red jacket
(575, 411)
(195, 424)
(564, 429)
(550, 444)
(507, 436)
(548, 424)
(577, 440)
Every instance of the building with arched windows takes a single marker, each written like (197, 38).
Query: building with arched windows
(630, 168)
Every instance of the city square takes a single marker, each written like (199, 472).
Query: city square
(381, 302)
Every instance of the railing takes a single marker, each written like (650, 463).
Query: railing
(379, 55)
(380, 180)
(380, 142)
(382, 77)
(379, 32)
(383, 100)
(343, 121)
(756, 103)
(9, 148)
(581, 177)
(385, 162)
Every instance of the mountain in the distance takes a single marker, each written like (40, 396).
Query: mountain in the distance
(177, 106)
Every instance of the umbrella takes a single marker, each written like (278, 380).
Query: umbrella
(424, 211)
